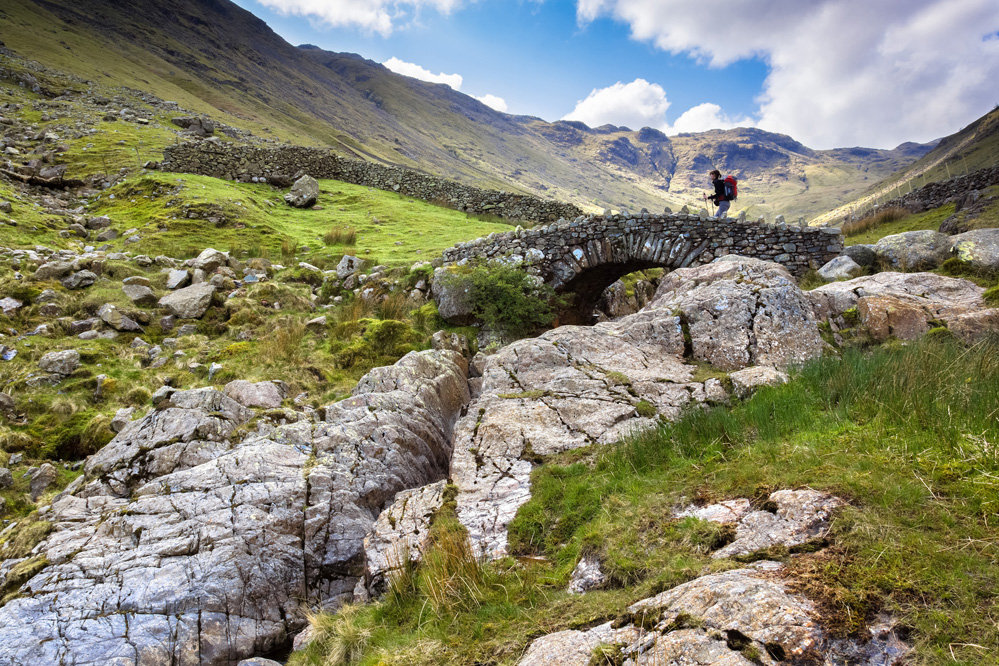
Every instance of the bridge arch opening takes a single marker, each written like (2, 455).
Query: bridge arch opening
(584, 292)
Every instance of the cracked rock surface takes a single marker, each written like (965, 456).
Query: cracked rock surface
(189, 543)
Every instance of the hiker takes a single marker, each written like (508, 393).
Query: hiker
(719, 197)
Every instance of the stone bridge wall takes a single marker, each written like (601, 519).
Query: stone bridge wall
(563, 251)
(245, 163)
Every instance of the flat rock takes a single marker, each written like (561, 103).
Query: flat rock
(746, 381)
(260, 394)
(798, 516)
(190, 302)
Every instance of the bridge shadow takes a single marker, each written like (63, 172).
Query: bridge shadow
(583, 292)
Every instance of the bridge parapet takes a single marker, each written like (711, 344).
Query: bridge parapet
(588, 251)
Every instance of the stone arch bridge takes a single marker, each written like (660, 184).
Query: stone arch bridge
(584, 256)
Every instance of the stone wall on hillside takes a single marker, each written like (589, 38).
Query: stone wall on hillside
(943, 192)
(564, 251)
(246, 163)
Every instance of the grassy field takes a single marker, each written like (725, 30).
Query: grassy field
(905, 222)
(906, 434)
(171, 210)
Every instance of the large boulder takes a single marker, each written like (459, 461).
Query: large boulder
(914, 250)
(304, 193)
(979, 248)
(190, 302)
(901, 305)
(191, 540)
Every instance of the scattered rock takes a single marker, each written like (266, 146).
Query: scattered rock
(348, 266)
(914, 250)
(116, 319)
(177, 278)
(41, 480)
(587, 576)
(747, 380)
(60, 362)
(141, 295)
(190, 302)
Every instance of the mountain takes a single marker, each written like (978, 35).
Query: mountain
(215, 58)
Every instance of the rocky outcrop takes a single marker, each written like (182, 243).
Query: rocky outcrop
(902, 305)
(200, 535)
(576, 386)
(741, 312)
(978, 248)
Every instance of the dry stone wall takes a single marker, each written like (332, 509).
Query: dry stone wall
(564, 251)
(250, 163)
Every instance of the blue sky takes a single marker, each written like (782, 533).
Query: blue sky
(828, 72)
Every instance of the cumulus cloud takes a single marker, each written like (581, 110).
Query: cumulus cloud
(423, 74)
(381, 16)
(494, 102)
(642, 104)
(705, 117)
(842, 72)
(637, 104)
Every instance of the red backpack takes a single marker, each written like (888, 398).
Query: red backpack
(731, 188)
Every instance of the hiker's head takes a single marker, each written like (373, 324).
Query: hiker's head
(714, 175)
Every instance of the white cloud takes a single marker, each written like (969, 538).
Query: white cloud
(637, 104)
(705, 117)
(642, 104)
(494, 102)
(423, 74)
(842, 72)
(381, 16)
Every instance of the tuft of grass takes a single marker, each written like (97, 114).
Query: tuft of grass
(873, 221)
(339, 235)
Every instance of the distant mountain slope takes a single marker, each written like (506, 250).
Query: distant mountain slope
(972, 148)
(216, 58)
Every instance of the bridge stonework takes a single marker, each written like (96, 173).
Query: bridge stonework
(587, 254)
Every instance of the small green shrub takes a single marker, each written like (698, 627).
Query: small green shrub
(505, 298)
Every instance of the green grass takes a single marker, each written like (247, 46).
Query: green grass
(259, 222)
(905, 434)
(930, 219)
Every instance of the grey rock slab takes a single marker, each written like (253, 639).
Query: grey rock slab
(190, 544)
(260, 394)
(746, 381)
(304, 193)
(914, 250)
(190, 302)
(863, 255)
(6, 478)
(942, 297)
(61, 362)
(800, 516)
(9, 305)
(349, 265)
(79, 280)
(586, 576)
(979, 247)
(401, 533)
(54, 270)
(41, 480)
